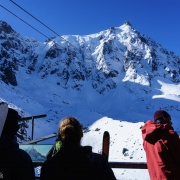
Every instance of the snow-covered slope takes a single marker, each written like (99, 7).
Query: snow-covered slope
(125, 145)
(113, 80)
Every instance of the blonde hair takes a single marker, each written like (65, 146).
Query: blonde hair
(70, 131)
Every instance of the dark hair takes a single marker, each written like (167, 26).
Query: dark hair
(70, 132)
(11, 124)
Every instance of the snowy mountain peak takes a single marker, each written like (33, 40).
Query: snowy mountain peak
(115, 73)
(35, 155)
(127, 23)
(97, 59)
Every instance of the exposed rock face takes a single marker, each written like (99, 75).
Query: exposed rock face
(7, 29)
(8, 72)
(15, 52)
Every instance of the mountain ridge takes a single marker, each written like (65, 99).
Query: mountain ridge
(113, 73)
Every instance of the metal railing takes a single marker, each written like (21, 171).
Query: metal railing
(32, 118)
(123, 165)
(128, 165)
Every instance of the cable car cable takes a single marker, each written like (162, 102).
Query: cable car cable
(36, 29)
(43, 24)
(23, 21)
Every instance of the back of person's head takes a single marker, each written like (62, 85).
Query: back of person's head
(11, 124)
(159, 114)
(70, 132)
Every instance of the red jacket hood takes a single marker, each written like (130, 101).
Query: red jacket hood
(151, 131)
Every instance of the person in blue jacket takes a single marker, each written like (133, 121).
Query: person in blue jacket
(15, 164)
(73, 161)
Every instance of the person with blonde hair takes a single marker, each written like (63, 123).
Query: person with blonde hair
(162, 147)
(73, 161)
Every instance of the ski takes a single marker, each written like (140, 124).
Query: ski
(105, 145)
(3, 115)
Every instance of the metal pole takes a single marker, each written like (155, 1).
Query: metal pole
(32, 128)
(35, 117)
(32, 118)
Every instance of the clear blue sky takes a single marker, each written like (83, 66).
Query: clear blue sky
(159, 19)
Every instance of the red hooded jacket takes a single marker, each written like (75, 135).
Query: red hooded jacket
(162, 146)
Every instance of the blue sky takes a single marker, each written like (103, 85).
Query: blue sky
(158, 19)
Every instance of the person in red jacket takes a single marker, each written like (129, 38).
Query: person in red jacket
(162, 146)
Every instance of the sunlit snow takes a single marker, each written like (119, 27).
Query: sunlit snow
(139, 90)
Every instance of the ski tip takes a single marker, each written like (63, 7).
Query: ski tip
(3, 115)
(106, 133)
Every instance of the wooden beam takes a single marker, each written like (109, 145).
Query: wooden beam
(32, 117)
